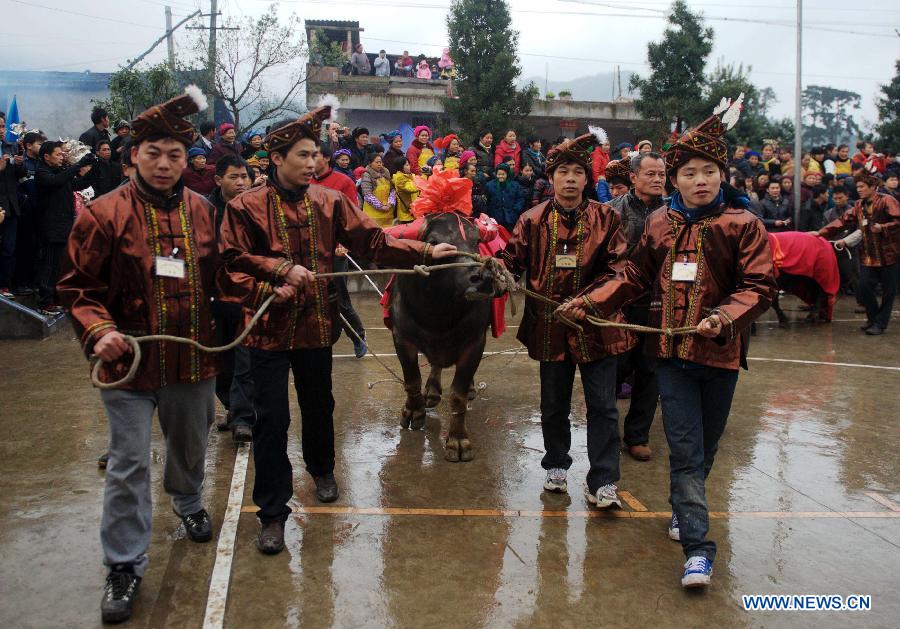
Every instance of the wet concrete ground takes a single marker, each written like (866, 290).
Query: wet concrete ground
(805, 493)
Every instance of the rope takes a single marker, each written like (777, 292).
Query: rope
(503, 280)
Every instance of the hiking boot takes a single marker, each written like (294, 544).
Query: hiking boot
(242, 433)
(119, 594)
(326, 488)
(640, 452)
(198, 526)
(103, 461)
(270, 540)
(674, 530)
(604, 497)
(697, 572)
(556, 481)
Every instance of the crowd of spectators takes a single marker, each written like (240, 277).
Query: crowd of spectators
(421, 67)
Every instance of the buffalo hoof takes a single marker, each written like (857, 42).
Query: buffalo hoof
(432, 399)
(458, 450)
(412, 419)
(473, 393)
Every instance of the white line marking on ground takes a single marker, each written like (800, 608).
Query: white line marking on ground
(822, 362)
(221, 574)
(882, 500)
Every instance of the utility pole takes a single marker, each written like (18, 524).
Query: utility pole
(168, 33)
(170, 39)
(798, 114)
(211, 63)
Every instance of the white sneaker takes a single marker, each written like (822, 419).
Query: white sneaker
(604, 498)
(556, 480)
(674, 531)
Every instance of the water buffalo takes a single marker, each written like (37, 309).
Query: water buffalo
(445, 316)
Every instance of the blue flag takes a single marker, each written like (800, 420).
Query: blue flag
(12, 117)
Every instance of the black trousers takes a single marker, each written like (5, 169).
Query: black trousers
(234, 384)
(273, 487)
(869, 278)
(27, 258)
(344, 304)
(644, 391)
(51, 257)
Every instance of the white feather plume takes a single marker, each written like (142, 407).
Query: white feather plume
(197, 96)
(722, 106)
(599, 133)
(731, 117)
(632, 154)
(332, 101)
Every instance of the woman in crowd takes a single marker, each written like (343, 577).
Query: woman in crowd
(394, 154)
(504, 197)
(342, 163)
(508, 147)
(253, 143)
(405, 190)
(359, 61)
(421, 149)
(532, 155)
(452, 151)
(378, 192)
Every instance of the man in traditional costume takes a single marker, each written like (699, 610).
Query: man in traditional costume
(706, 266)
(560, 247)
(275, 238)
(142, 260)
(877, 216)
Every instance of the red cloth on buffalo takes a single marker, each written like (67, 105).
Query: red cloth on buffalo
(491, 239)
(805, 255)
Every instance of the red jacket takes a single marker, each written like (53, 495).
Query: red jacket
(201, 182)
(598, 165)
(504, 150)
(340, 182)
(412, 154)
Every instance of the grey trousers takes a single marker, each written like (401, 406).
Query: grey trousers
(186, 411)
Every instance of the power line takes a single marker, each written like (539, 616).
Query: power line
(93, 17)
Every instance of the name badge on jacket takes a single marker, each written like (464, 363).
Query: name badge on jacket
(170, 267)
(566, 261)
(684, 272)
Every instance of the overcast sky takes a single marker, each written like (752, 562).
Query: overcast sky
(849, 44)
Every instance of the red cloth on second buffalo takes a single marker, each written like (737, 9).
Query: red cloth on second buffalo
(805, 255)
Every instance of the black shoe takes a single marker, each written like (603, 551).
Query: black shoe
(198, 526)
(24, 291)
(270, 540)
(103, 460)
(224, 424)
(241, 433)
(51, 311)
(119, 594)
(865, 326)
(874, 330)
(326, 488)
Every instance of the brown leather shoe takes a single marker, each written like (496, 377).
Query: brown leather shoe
(640, 452)
(270, 540)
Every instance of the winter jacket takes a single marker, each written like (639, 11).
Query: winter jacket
(775, 211)
(114, 146)
(92, 136)
(55, 187)
(104, 177)
(9, 183)
(543, 191)
(537, 161)
(484, 160)
(742, 166)
(505, 202)
(359, 156)
(201, 143)
(505, 150)
(415, 156)
(527, 186)
(202, 182)
(382, 66)
(599, 160)
(360, 63)
(812, 216)
(221, 149)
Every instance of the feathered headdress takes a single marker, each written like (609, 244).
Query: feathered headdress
(578, 151)
(309, 125)
(168, 119)
(705, 140)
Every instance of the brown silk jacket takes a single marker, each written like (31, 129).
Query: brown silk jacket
(881, 249)
(593, 236)
(268, 230)
(734, 279)
(109, 282)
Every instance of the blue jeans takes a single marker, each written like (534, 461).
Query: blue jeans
(695, 402)
(598, 379)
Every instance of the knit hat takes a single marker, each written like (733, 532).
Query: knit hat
(225, 126)
(504, 167)
(253, 133)
(340, 152)
(261, 155)
(705, 140)
(749, 154)
(578, 151)
(168, 120)
(419, 130)
(642, 143)
(390, 135)
(444, 142)
(195, 152)
(465, 156)
(309, 126)
(122, 124)
(623, 145)
(358, 131)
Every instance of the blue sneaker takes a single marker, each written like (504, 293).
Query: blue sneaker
(360, 348)
(674, 533)
(697, 572)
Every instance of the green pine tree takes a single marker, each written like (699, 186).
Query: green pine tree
(674, 89)
(888, 127)
(483, 46)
